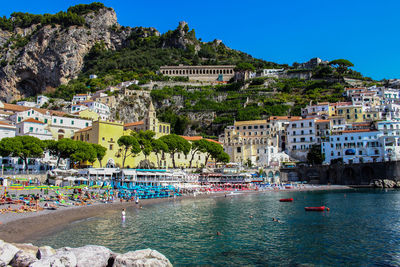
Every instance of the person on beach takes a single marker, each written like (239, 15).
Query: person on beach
(137, 200)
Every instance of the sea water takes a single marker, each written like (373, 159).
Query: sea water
(362, 228)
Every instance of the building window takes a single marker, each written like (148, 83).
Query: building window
(30, 129)
(239, 150)
(72, 122)
(55, 120)
(87, 124)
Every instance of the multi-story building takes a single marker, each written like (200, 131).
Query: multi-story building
(256, 141)
(41, 100)
(272, 73)
(6, 130)
(98, 107)
(35, 128)
(80, 98)
(60, 125)
(352, 113)
(107, 133)
(353, 146)
(320, 109)
(301, 136)
(208, 73)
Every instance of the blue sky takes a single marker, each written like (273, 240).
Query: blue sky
(364, 32)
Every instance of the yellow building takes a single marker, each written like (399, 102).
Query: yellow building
(352, 113)
(150, 122)
(88, 114)
(107, 133)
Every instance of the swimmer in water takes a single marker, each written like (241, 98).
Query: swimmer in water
(276, 220)
(219, 233)
(123, 213)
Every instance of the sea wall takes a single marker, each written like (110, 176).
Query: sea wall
(349, 174)
(24, 255)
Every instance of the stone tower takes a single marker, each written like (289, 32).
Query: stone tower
(151, 119)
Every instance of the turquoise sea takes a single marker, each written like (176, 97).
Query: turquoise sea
(362, 228)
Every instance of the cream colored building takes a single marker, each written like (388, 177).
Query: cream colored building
(208, 73)
(257, 141)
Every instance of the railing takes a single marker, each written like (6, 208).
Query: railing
(16, 172)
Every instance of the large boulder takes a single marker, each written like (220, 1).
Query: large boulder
(141, 258)
(60, 259)
(23, 259)
(7, 253)
(91, 256)
(44, 252)
(378, 183)
(388, 183)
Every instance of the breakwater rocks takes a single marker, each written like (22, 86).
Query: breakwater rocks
(28, 255)
(386, 183)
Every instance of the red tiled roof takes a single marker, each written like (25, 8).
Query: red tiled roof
(195, 138)
(33, 121)
(359, 131)
(284, 117)
(5, 123)
(322, 121)
(302, 119)
(84, 129)
(133, 123)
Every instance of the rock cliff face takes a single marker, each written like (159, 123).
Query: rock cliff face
(52, 55)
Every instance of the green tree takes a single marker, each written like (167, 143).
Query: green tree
(158, 146)
(213, 150)
(248, 163)
(175, 144)
(198, 146)
(129, 146)
(341, 65)
(144, 139)
(222, 157)
(100, 152)
(84, 152)
(62, 149)
(23, 147)
(315, 155)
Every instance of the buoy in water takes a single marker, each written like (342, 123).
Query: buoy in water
(327, 209)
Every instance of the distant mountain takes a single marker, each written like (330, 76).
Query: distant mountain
(38, 53)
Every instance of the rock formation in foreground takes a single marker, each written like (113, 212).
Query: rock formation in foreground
(24, 255)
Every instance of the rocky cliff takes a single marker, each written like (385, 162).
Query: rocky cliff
(41, 57)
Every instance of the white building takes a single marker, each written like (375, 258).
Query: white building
(58, 124)
(273, 73)
(301, 136)
(6, 130)
(319, 109)
(77, 108)
(26, 104)
(102, 109)
(35, 128)
(80, 98)
(41, 100)
(353, 146)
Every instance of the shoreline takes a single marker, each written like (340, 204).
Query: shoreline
(20, 228)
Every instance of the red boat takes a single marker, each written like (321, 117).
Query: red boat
(322, 208)
(286, 200)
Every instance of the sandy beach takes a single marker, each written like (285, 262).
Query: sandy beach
(22, 227)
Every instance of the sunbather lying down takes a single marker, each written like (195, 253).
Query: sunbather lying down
(50, 206)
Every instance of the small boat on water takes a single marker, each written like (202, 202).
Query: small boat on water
(322, 208)
(286, 200)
